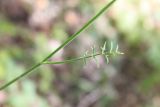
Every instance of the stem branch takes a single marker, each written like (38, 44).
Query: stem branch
(71, 38)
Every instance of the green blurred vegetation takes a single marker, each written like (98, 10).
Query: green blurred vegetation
(131, 80)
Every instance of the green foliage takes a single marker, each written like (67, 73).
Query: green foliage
(132, 24)
(27, 93)
(149, 83)
(7, 26)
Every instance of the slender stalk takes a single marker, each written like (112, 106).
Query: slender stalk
(71, 38)
(82, 58)
(72, 60)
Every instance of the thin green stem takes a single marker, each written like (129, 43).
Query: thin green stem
(82, 57)
(72, 60)
(71, 38)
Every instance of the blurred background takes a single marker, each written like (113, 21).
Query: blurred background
(31, 29)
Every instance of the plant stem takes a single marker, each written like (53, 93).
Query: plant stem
(71, 38)
(72, 60)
